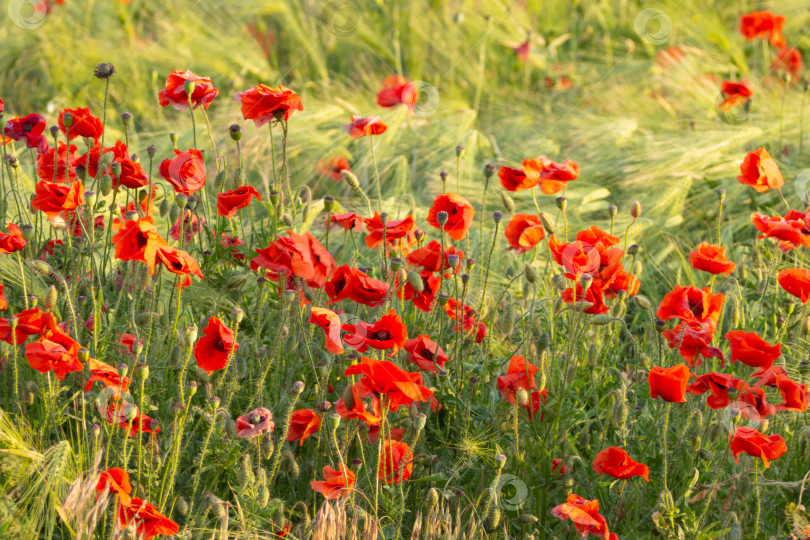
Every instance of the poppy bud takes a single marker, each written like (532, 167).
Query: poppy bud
(562, 203)
(58, 223)
(522, 397)
(51, 297)
(27, 231)
(415, 281)
(508, 202)
(459, 150)
(443, 298)
(613, 210)
(350, 178)
(527, 519)
(642, 302)
(635, 209)
(721, 195)
(237, 315)
(432, 498)
(442, 217)
(501, 459)
(287, 219)
(191, 202)
(601, 320)
(493, 518)
(548, 222)
(419, 422)
(115, 166)
(291, 464)
(530, 273)
(585, 281)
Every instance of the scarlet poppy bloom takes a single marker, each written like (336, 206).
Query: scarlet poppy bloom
(254, 423)
(300, 255)
(592, 302)
(348, 221)
(523, 232)
(796, 281)
(696, 307)
(29, 129)
(760, 171)
(396, 462)
(364, 126)
(769, 376)
(669, 383)
(459, 211)
(513, 179)
(735, 94)
(350, 283)
(355, 408)
(149, 522)
(336, 484)
(792, 231)
(59, 162)
(303, 423)
(794, 395)
(264, 103)
(12, 240)
(425, 353)
(52, 198)
(331, 167)
(711, 259)
(752, 350)
(3, 301)
(464, 313)
(120, 153)
(397, 90)
(553, 176)
(213, 350)
(755, 444)
(29, 322)
(106, 375)
(175, 94)
(718, 385)
(55, 351)
(387, 333)
(519, 375)
(383, 377)
(179, 262)
(116, 481)
(190, 224)
(424, 299)
(585, 516)
(395, 231)
(76, 219)
(788, 59)
(615, 462)
(330, 322)
(692, 341)
(590, 253)
(752, 403)
(523, 50)
(185, 171)
(138, 240)
(131, 176)
(430, 257)
(763, 24)
(84, 124)
(232, 201)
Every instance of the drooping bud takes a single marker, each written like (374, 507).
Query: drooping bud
(530, 273)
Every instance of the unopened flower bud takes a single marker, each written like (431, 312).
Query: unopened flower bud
(298, 387)
(635, 209)
(562, 203)
(497, 216)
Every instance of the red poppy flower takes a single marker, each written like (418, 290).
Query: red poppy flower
(212, 350)
(465, 313)
(264, 103)
(331, 167)
(364, 126)
(752, 350)
(84, 124)
(398, 90)
(303, 423)
(185, 171)
(330, 322)
(763, 24)
(396, 462)
(760, 171)
(300, 255)
(425, 353)
(78, 222)
(232, 201)
(459, 211)
(788, 59)
(356, 408)
(711, 259)
(769, 376)
(348, 221)
(387, 333)
(132, 175)
(794, 395)
(350, 283)
(29, 129)
(792, 231)
(254, 423)
(56, 351)
(734, 94)
(395, 231)
(585, 516)
(336, 484)
(592, 302)
(755, 444)
(513, 179)
(430, 257)
(796, 281)
(424, 299)
(692, 341)
(558, 466)
(116, 481)
(231, 243)
(12, 240)
(696, 307)
(669, 383)
(179, 262)
(752, 403)
(383, 377)
(523, 232)
(615, 462)
(3, 301)
(190, 224)
(138, 240)
(553, 176)
(148, 521)
(52, 198)
(519, 375)
(590, 253)
(175, 94)
(59, 162)
(718, 385)
(106, 375)
(29, 322)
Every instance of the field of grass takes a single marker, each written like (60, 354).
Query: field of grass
(493, 447)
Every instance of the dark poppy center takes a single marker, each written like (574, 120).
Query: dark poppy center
(381, 335)
(219, 345)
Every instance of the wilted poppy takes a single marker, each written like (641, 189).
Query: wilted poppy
(752, 350)
(718, 386)
(264, 103)
(425, 353)
(396, 462)
(760, 171)
(213, 350)
(300, 255)
(335, 484)
(387, 333)
(364, 126)
(303, 423)
(149, 522)
(763, 24)
(52, 197)
(755, 444)
(524, 231)
(185, 171)
(174, 93)
(381, 377)
(138, 240)
(254, 423)
(796, 281)
(30, 129)
(585, 516)
(711, 259)
(460, 214)
(669, 383)
(331, 167)
(397, 90)
(352, 284)
(84, 124)
(12, 240)
(230, 202)
(615, 462)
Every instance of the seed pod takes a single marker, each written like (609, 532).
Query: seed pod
(493, 518)
(51, 297)
(527, 519)
(697, 441)
(530, 273)
(182, 506)
(543, 341)
(267, 447)
(291, 464)
(432, 498)
(174, 214)
(601, 320)
(705, 455)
